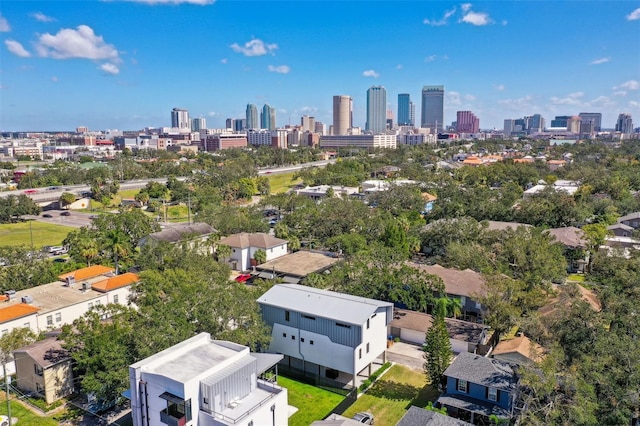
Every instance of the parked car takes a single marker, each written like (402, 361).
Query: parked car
(47, 215)
(364, 418)
(65, 214)
(243, 278)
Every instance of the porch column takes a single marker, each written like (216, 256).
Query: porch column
(369, 369)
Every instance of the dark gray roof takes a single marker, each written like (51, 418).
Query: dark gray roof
(569, 236)
(482, 371)
(176, 233)
(420, 417)
(471, 404)
(323, 303)
(46, 352)
(620, 226)
(630, 216)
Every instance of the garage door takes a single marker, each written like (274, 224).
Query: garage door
(459, 346)
(412, 336)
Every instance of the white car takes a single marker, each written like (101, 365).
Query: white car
(364, 418)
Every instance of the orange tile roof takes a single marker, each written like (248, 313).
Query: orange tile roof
(472, 161)
(115, 282)
(3, 298)
(88, 272)
(16, 311)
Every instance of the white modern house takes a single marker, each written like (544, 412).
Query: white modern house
(324, 332)
(206, 382)
(245, 245)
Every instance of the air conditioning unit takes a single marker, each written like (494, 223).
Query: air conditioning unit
(27, 299)
(11, 294)
(85, 286)
(69, 281)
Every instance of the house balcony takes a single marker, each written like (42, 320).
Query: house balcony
(178, 411)
(172, 417)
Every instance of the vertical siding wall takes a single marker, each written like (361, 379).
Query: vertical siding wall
(234, 386)
(351, 337)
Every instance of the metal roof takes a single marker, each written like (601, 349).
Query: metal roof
(323, 303)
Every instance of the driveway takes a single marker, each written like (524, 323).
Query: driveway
(406, 354)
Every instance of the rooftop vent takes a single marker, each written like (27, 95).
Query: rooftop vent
(27, 299)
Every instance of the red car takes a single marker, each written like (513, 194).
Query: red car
(243, 277)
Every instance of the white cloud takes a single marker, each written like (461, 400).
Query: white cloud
(41, 17)
(476, 18)
(399, 66)
(453, 98)
(469, 98)
(634, 16)
(213, 114)
(600, 61)
(154, 2)
(634, 104)
(570, 99)
(628, 85)
(465, 7)
(430, 58)
(370, 73)
(499, 87)
(254, 47)
(4, 25)
(504, 22)
(79, 43)
(16, 48)
(620, 93)
(280, 69)
(110, 68)
(223, 61)
(54, 79)
(443, 21)
(524, 102)
(309, 109)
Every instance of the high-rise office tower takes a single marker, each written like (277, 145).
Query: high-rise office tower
(594, 117)
(404, 109)
(252, 117)
(412, 114)
(535, 123)
(376, 109)
(240, 124)
(268, 117)
(198, 124)
(180, 118)
(467, 122)
(624, 124)
(433, 108)
(509, 126)
(308, 123)
(342, 114)
(573, 124)
(560, 121)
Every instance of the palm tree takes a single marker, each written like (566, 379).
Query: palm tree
(117, 245)
(454, 307)
(89, 250)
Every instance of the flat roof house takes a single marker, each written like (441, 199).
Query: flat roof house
(206, 382)
(324, 332)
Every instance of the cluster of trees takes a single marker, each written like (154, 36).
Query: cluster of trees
(13, 207)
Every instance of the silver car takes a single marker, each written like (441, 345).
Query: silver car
(364, 418)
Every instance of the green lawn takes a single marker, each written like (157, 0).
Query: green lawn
(25, 417)
(44, 234)
(392, 395)
(577, 278)
(312, 403)
(115, 201)
(282, 182)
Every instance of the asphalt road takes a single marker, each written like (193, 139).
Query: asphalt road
(75, 219)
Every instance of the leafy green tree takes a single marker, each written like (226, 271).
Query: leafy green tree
(117, 244)
(223, 252)
(67, 198)
(437, 347)
(15, 339)
(260, 256)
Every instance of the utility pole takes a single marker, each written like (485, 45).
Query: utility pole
(6, 381)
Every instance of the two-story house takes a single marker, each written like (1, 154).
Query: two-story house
(323, 332)
(207, 382)
(632, 220)
(478, 387)
(196, 235)
(245, 245)
(466, 285)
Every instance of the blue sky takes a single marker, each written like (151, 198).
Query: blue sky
(126, 64)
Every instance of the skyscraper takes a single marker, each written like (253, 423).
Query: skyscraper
(535, 123)
(412, 114)
(404, 109)
(198, 124)
(467, 122)
(509, 126)
(376, 109)
(180, 118)
(268, 117)
(624, 124)
(595, 118)
(252, 117)
(342, 114)
(308, 123)
(433, 108)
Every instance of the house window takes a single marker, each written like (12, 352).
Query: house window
(58, 317)
(205, 401)
(339, 324)
(115, 298)
(309, 317)
(27, 325)
(462, 386)
(287, 316)
(492, 394)
(311, 342)
(368, 320)
(90, 305)
(367, 347)
(37, 369)
(360, 353)
(293, 337)
(284, 334)
(302, 339)
(49, 319)
(463, 300)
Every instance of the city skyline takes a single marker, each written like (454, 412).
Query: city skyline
(121, 64)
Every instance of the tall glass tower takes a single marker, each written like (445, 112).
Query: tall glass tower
(252, 117)
(376, 109)
(433, 108)
(404, 109)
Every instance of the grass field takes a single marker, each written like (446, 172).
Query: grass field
(312, 403)
(25, 417)
(282, 182)
(115, 201)
(392, 395)
(44, 234)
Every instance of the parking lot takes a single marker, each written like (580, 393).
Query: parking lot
(74, 219)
